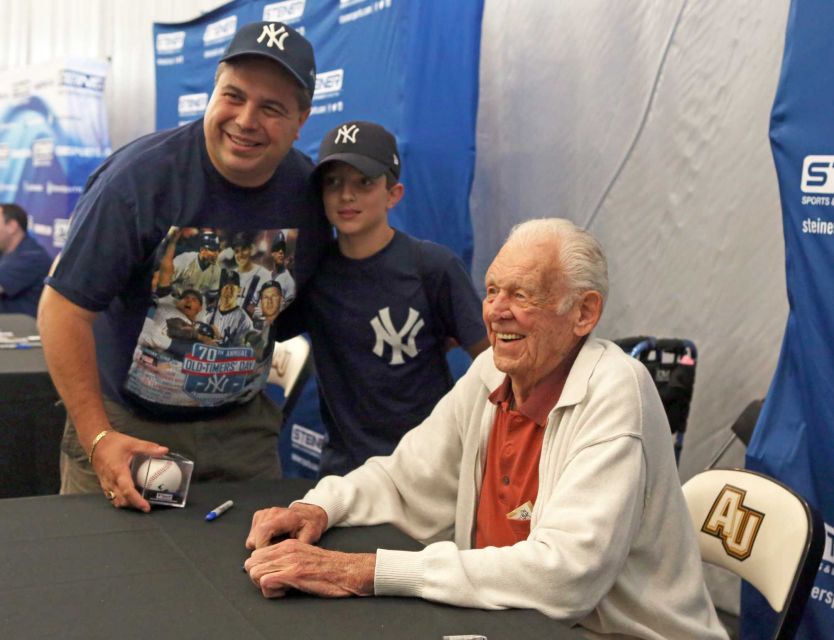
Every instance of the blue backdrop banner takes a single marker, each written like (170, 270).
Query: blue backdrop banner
(794, 438)
(53, 134)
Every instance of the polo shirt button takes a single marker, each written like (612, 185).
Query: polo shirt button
(505, 480)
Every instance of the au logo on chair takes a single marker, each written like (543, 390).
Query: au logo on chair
(732, 522)
(762, 531)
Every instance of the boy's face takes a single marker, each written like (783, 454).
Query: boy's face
(354, 203)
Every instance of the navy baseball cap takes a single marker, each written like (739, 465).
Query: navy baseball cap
(278, 42)
(365, 146)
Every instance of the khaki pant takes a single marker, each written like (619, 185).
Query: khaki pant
(239, 445)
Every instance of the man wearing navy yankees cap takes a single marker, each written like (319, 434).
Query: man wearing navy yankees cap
(232, 171)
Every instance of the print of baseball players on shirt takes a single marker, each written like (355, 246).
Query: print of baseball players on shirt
(206, 340)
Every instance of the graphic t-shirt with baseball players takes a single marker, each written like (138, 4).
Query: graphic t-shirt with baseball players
(179, 263)
(214, 308)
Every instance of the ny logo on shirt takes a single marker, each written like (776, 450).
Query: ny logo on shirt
(387, 334)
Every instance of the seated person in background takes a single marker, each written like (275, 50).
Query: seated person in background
(382, 307)
(544, 480)
(23, 265)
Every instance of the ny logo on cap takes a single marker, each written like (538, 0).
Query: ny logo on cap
(272, 33)
(346, 134)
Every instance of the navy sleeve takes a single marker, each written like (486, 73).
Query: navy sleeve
(102, 249)
(456, 302)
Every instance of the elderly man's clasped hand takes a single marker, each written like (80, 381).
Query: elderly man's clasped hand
(294, 563)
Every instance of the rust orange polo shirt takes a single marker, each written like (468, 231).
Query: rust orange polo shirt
(511, 475)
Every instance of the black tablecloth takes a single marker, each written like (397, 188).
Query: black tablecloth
(74, 567)
(31, 421)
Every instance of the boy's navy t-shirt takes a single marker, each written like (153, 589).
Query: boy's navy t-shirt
(379, 328)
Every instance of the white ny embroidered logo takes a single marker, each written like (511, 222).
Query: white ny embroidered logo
(346, 134)
(387, 334)
(272, 33)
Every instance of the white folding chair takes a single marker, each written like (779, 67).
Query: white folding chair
(763, 532)
(291, 366)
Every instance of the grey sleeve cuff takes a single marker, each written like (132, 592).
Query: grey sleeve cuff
(399, 573)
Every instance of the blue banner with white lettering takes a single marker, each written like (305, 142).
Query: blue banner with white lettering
(53, 134)
(410, 66)
(794, 438)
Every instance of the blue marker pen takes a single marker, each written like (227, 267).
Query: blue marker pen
(217, 511)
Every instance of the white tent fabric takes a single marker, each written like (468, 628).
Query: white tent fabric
(645, 121)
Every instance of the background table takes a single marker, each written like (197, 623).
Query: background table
(31, 423)
(74, 567)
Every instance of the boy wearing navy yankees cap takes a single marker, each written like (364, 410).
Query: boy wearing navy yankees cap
(383, 307)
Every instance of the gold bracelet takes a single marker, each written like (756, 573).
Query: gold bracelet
(96, 440)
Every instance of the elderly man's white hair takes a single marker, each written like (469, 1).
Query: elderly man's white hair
(581, 258)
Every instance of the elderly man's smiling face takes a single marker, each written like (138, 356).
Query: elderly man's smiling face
(524, 294)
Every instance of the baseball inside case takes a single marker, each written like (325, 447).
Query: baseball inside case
(163, 480)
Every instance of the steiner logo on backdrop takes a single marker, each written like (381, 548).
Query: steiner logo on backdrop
(43, 151)
(329, 83)
(192, 104)
(817, 178)
(80, 80)
(221, 30)
(288, 11)
(167, 43)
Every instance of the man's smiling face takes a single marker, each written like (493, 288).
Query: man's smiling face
(524, 295)
(252, 120)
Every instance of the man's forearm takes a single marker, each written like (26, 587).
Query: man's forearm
(69, 348)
